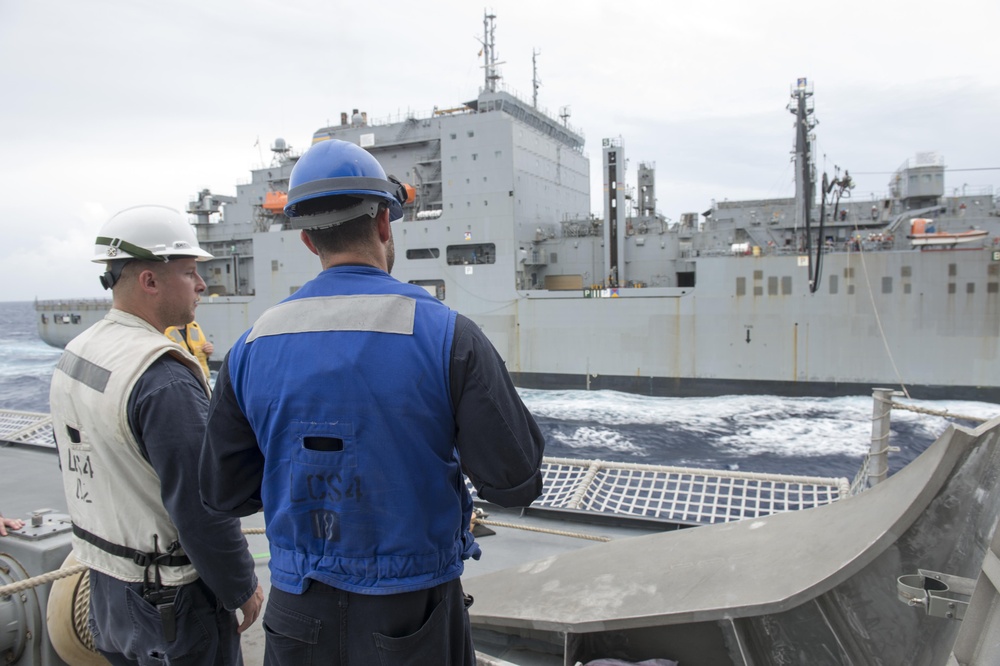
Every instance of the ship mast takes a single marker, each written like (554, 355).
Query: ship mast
(805, 181)
(490, 52)
(805, 176)
(801, 107)
(535, 81)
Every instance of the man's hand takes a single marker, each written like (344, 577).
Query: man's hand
(251, 609)
(12, 523)
(208, 348)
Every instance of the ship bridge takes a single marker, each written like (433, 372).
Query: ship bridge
(541, 122)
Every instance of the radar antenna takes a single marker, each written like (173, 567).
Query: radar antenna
(281, 149)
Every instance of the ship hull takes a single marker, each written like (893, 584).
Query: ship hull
(687, 387)
(750, 325)
(59, 321)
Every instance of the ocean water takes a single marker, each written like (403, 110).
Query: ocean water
(805, 436)
(26, 363)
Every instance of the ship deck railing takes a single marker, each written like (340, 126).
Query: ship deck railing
(73, 304)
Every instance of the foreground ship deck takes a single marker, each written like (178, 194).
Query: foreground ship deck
(607, 564)
(584, 502)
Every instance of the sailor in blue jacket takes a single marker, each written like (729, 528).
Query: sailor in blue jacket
(349, 413)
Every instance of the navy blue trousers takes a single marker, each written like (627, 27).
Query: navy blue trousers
(128, 631)
(332, 627)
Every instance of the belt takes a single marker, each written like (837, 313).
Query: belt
(139, 557)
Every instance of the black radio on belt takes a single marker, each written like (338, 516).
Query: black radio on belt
(155, 593)
(163, 599)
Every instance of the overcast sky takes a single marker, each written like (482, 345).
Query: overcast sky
(106, 104)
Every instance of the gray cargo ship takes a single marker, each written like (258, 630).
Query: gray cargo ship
(815, 294)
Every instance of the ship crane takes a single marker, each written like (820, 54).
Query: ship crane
(206, 203)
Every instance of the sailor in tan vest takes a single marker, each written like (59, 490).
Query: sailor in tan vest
(129, 407)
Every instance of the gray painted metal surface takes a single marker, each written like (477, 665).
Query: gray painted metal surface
(815, 586)
(978, 642)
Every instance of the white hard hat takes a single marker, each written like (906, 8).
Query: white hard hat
(153, 233)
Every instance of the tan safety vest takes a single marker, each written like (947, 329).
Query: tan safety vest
(111, 490)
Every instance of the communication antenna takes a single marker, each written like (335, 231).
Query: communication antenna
(536, 83)
(564, 113)
(489, 52)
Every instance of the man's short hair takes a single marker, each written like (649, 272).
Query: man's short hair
(351, 234)
(130, 271)
(126, 272)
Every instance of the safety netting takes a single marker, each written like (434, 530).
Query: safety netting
(680, 494)
(26, 428)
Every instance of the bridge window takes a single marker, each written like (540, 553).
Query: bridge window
(423, 253)
(434, 287)
(479, 253)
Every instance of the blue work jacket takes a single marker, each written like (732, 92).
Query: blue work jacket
(346, 386)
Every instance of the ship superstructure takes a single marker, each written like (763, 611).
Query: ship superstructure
(812, 294)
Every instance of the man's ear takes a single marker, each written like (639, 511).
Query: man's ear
(308, 243)
(148, 280)
(382, 222)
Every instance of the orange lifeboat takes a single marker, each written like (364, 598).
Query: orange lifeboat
(919, 225)
(274, 202)
(924, 234)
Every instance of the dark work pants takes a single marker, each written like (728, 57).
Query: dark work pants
(332, 627)
(128, 632)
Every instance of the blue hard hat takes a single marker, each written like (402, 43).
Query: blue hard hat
(336, 168)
